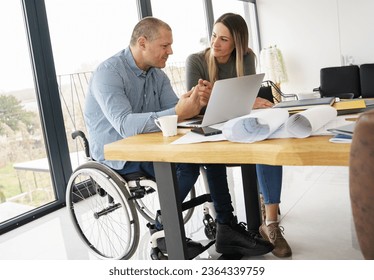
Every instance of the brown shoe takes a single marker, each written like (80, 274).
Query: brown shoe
(274, 234)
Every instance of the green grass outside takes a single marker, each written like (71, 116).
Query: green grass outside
(15, 182)
(9, 181)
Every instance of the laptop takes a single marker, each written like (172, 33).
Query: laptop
(230, 98)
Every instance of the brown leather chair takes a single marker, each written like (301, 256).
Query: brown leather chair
(361, 182)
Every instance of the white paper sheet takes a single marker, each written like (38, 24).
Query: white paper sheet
(272, 123)
(191, 137)
(303, 124)
(257, 126)
(275, 123)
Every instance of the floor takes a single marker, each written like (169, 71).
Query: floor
(315, 214)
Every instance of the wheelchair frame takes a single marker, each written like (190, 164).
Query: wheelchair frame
(104, 208)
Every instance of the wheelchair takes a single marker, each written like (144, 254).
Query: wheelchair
(104, 206)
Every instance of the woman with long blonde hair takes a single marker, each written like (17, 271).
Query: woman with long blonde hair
(230, 56)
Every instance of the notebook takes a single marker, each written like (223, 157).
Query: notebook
(350, 106)
(303, 104)
(230, 98)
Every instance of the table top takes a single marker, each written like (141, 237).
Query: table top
(314, 150)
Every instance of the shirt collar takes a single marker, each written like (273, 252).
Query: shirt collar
(130, 59)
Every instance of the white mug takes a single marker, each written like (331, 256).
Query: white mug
(168, 125)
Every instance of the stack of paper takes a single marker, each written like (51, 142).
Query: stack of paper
(343, 134)
(345, 129)
(341, 138)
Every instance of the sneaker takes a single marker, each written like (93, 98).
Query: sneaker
(160, 242)
(233, 238)
(160, 252)
(274, 234)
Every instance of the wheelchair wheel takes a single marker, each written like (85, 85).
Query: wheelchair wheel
(149, 203)
(100, 209)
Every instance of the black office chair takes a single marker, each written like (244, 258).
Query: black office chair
(366, 79)
(341, 81)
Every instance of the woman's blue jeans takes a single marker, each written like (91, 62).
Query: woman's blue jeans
(270, 182)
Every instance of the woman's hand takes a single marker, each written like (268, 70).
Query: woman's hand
(262, 103)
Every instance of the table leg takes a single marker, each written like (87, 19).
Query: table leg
(251, 200)
(171, 210)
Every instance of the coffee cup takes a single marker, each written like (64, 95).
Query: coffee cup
(168, 125)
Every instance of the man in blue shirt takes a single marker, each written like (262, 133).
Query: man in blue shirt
(128, 91)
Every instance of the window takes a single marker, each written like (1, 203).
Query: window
(94, 31)
(25, 178)
(189, 34)
(247, 11)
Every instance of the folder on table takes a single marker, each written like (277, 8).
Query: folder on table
(351, 106)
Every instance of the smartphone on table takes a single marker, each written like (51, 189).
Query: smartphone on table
(206, 130)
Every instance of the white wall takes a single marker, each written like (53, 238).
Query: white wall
(313, 34)
(357, 30)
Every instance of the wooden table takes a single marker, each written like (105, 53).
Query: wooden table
(316, 150)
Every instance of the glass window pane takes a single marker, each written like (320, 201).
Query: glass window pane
(247, 11)
(25, 181)
(189, 34)
(83, 34)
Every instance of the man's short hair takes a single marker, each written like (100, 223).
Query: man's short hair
(149, 28)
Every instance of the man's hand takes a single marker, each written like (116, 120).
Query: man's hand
(205, 91)
(190, 103)
(262, 103)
